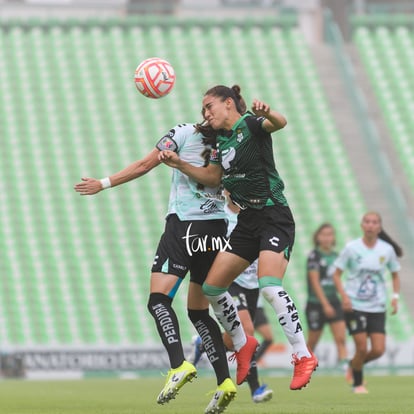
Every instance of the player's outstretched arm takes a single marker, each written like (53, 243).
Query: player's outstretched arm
(274, 120)
(90, 186)
(209, 176)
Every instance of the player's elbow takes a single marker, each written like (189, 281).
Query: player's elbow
(214, 179)
(215, 183)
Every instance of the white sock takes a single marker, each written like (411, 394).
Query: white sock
(226, 313)
(288, 318)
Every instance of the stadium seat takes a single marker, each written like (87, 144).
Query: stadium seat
(76, 269)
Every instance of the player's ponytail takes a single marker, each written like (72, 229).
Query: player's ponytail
(383, 235)
(242, 107)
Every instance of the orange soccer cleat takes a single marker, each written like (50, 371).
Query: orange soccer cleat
(303, 369)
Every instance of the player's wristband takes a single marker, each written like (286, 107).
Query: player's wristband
(395, 295)
(106, 183)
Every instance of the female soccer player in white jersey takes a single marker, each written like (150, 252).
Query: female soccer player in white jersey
(265, 228)
(364, 297)
(193, 210)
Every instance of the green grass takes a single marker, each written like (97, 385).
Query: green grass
(389, 395)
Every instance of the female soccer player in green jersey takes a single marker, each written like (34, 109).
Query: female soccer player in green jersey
(244, 162)
(364, 297)
(192, 210)
(323, 304)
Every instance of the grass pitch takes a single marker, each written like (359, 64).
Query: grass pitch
(391, 395)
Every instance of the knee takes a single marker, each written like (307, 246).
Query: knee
(156, 299)
(340, 340)
(210, 290)
(377, 352)
(361, 350)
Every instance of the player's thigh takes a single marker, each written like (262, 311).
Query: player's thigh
(361, 342)
(271, 264)
(226, 267)
(213, 232)
(315, 317)
(164, 283)
(377, 342)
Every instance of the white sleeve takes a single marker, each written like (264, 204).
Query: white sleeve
(393, 263)
(341, 262)
(175, 138)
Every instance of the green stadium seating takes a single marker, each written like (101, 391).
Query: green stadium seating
(75, 270)
(387, 54)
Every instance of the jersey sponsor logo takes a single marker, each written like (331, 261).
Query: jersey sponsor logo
(227, 157)
(229, 315)
(209, 207)
(367, 289)
(208, 343)
(256, 200)
(240, 175)
(165, 322)
(196, 243)
(291, 314)
(216, 196)
(274, 241)
(178, 266)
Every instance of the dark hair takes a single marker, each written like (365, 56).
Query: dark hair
(323, 226)
(383, 235)
(208, 133)
(225, 92)
(209, 141)
(397, 248)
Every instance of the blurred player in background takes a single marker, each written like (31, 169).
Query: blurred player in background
(245, 292)
(323, 304)
(193, 209)
(265, 228)
(263, 328)
(364, 296)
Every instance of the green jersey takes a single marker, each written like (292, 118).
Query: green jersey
(246, 156)
(323, 263)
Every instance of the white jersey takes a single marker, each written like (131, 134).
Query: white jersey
(188, 199)
(365, 283)
(247, 279)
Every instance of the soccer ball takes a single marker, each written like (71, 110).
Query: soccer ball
(154, 78)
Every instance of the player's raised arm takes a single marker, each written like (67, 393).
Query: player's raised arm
(273, 119)
(90, 186)
(209, 176)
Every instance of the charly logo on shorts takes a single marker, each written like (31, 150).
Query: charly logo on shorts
(196, 243)
(274, 241)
